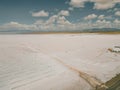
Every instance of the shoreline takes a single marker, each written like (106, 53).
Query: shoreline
(73, 33)
(107, 32)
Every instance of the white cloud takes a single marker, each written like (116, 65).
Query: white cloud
(90, 17)
(101, 17)
(53, 23)
(98, 4)
(116, 21)
(52, 19)
(103, 22)
(41, 13)
(43, 23)
(62, 21)
(97, 24)
(77, 3)
(117, 13)
(17, 26)
(103, 4)
(58, 22)
(64, 13)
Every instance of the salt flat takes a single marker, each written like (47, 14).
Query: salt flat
(28, 62)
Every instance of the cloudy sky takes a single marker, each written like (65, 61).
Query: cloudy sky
(59, 14)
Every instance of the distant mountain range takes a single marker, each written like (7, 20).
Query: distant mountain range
(47, 31)
(102, 30)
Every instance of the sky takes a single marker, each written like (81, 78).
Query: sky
(64, 15)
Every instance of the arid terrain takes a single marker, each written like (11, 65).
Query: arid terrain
(60, 62)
